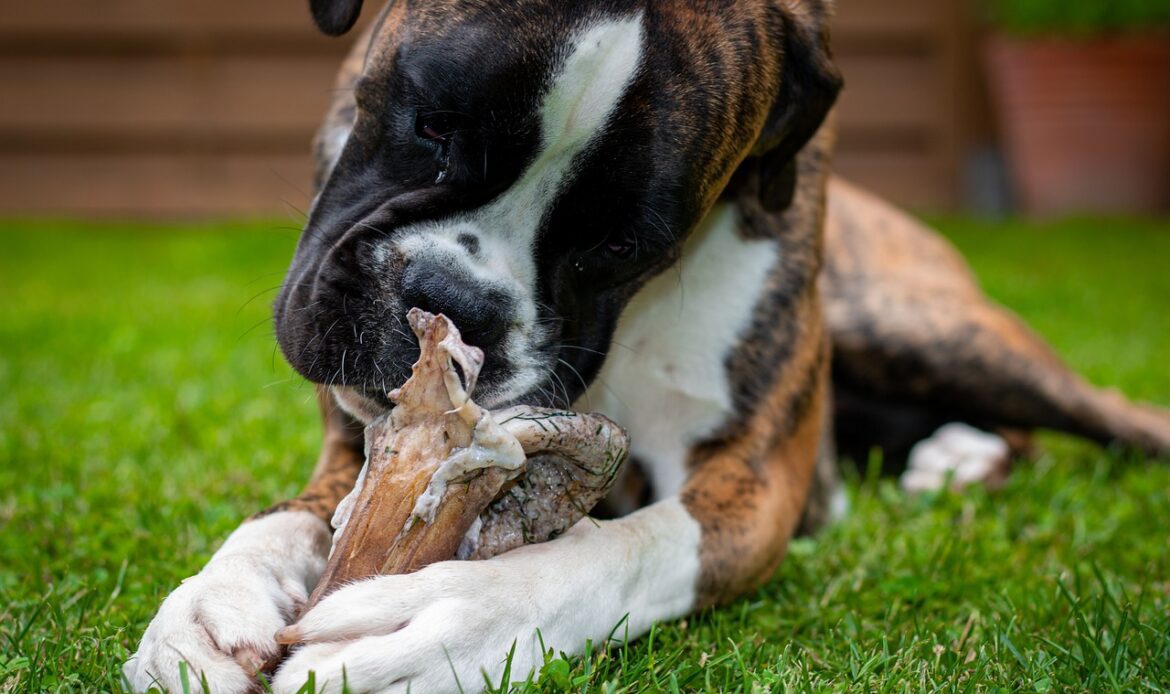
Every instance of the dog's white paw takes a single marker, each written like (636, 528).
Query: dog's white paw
(446, 627)
(956, 454)
(222, 621)
(437, 630)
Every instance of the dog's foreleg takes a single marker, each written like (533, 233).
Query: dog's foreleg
(222, 621)
(749, 494)
(448, 625)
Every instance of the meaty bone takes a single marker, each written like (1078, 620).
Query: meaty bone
(445, 478)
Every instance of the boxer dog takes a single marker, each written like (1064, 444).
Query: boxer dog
(627, 205)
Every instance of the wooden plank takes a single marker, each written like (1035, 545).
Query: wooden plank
(169, 186)
(131, 95)
(915, 181)
(286, 16)
(162, 27)
(870, 18)
(889, 91)
(154, 17)
(82, 24)
(202, 107)
(286, 95)
(163, 186)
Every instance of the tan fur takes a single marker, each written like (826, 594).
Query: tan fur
(896, 291)
(749, 494)
(748, 488)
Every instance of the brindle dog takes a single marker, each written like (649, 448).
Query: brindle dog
(627, 204)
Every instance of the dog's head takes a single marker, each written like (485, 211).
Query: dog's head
(524, 166)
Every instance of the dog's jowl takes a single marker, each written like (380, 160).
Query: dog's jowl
(627, 205)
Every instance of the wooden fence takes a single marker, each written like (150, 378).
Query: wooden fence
(192, 108)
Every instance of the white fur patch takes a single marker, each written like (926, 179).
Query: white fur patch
(442, 628)
(956, 454)
(583, 97)
(222, 621)
(665, 379)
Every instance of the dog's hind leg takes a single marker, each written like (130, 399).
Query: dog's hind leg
(923, 443)
(910, 325)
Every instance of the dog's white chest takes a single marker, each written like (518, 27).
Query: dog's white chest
(665, 379)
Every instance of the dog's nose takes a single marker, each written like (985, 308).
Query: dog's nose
(480, 312)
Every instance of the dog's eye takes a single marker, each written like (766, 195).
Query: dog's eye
(622, 246)
(439, 127)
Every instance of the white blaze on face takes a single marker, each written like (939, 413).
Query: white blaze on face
(585, 90)
(584, 94)
(583, 97)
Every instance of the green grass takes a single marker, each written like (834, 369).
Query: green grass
(1078, 17)
(144, 413)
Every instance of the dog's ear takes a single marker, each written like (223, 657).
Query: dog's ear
(809, 86)
(335, 17)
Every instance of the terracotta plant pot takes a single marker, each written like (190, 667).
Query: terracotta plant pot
(1086, 122)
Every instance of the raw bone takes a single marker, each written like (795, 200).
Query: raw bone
(447, 479)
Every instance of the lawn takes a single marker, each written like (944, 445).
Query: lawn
(144, 411)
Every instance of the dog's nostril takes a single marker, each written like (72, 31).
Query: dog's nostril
(469, 242)
(481, 313)
(479, 321)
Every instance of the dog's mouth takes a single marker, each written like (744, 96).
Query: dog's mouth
(561, 377)
(340, 321)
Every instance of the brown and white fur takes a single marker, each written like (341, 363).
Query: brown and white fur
(723, 359)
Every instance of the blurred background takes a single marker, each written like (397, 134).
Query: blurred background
(164, 109)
